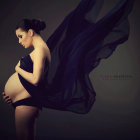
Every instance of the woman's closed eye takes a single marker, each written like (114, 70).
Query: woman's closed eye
(20, 36)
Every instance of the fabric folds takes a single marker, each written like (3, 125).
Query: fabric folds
(77, 47)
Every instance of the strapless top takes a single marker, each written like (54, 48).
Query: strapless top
(27, 64)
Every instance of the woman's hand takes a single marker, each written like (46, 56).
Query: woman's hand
(18, 65)
(7, 98)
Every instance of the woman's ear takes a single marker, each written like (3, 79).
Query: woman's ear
(30, 32)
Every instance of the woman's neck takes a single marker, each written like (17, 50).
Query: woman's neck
(37, 41)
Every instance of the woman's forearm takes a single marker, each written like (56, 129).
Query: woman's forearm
(26, 75)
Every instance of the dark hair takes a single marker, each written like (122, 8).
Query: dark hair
(35, 24)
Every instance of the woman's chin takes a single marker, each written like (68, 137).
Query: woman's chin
(24, 46)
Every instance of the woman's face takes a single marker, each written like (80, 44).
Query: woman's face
(25, 38)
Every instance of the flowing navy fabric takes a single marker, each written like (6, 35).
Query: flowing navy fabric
(77, 47)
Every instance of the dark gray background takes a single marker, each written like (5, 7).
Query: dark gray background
(115, 114)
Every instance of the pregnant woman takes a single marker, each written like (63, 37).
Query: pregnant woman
(56, 73)
(28, 34)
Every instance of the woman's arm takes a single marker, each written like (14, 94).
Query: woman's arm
(39, 64)
(26, 75)
(38, 67)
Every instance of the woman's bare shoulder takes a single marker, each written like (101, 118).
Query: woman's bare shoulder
(45, 52)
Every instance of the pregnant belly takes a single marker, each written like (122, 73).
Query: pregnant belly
(14, 89)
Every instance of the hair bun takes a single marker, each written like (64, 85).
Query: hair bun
(35, 24)
(38, 25)
(42, 25)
